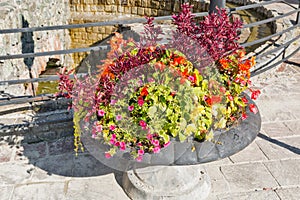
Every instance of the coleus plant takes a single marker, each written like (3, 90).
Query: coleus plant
(146, 93)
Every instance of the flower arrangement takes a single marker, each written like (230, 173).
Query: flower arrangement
(146, 93)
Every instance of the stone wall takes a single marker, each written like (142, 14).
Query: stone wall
(85, 11)
(21, 14)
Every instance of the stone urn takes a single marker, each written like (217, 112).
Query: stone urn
(176, 172)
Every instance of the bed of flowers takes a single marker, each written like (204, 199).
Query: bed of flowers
(146, 93)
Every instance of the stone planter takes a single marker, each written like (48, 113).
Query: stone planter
(175, 173)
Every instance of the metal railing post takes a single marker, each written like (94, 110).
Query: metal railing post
(298, 15)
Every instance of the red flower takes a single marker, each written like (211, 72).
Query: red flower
(244, 116)
(208, 100)
(255, 94)
(144, 92)
(253, 108)
(245, 100)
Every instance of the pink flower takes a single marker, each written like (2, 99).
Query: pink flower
(94, 136)
(107, 155)
(139, 158)
(112, 127)
(117, 144)
(191, 78)
(130, 108)
(113, 136)
(149, 136)
(230, 98)
(113, 102)
(122, 146)
(253, 108)
(243, 83)
(141, 152)
(99, 128)
(143, 123)
(255, 94)
(139, 144)
(118, 117)
(156, 150)
(155, 142)
(112, 141)
(167, 144)
(101, 113)
(141, 102)
(244, 116)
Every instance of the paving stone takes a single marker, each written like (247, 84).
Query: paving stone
(294, 126)
(280, 148)
(5, 192)
(63, 145)
(35, 150)
(251, 153)
(6, 152)
(86, 165)
(38, 191)
(278, 129)
(257, 195)
(100, 188)
(289, 193)
(60, 165)
(245, 177)
(286, 172)
(40, 175)
(11, 173)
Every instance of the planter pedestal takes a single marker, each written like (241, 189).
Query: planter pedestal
(167, 182)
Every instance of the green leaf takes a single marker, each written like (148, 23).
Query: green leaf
(151, 112)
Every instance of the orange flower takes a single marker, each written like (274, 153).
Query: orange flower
(224, 63)
(144, 91)
(245, 66)
(179, 60)
(241, 54)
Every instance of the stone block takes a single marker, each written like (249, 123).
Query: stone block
(280, 148)
(134, 10)
(12, 173)
(5, 152)
(85, 188)
(5, 192)
(102, 29)
(35, 150)
(257, 195)
(59, 164)
(286, 172)
(39, 191)
(140, 11)
(250, 153)
(278, 129)
(127, 10)
(250, 176)
(154, 12)
(107, 8)
(289, 193)
(61, 146)
(93, 8)
(100, 8)
(147, 11)
(86, 8)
